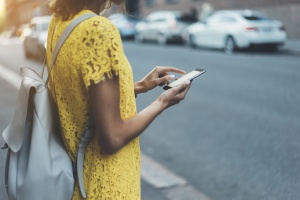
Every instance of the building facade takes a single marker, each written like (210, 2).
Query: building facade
(21, 11)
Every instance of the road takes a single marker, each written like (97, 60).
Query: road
(234, 137)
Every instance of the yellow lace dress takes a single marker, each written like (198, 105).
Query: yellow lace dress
(92, 50)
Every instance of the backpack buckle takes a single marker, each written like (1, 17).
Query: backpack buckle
(5, 146)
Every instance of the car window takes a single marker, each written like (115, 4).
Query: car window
(159, 20)
(164, 16)
(117, 19)
(152, 17)
(131, 18)
(44, 26)
(186, 18)
(213, 18)
(227, 19)
(256, 17)
(32, 27)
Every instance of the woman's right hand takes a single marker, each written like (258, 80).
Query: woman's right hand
(159, 76)
(113, 131)
(174, 95)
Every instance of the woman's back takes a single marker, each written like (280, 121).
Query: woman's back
(92, 52)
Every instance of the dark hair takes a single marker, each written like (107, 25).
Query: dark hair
(66, 9)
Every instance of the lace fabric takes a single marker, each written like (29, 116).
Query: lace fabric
(93, 50)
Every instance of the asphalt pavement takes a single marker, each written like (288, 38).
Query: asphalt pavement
(184, 191)
(151, 192)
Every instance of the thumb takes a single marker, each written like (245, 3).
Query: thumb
(182, 86)
(165, 79)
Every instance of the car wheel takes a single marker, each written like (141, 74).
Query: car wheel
(192, 42)
(229, 46)
(162, 39)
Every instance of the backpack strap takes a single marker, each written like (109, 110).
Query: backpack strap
(6, 169)
(84, 141)
(65, 35)
(89, 131)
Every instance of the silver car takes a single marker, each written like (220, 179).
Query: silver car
(163, 26)
(35, 37)
(125, 24)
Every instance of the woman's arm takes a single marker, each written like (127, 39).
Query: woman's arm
(159, 76)
(114, 133)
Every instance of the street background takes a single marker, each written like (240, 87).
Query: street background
(234, 137)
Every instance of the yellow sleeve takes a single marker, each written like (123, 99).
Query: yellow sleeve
(101, 52)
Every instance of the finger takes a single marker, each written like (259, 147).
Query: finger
(165, 69)
(165, 79)
(183, 93)
(180, 88)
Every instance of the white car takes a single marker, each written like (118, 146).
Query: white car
(35, 37)
(163, 26)
(233, 29)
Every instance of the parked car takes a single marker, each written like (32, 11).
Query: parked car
(20, 29)
(35, 37)
(233, 29)
(26, 31)
(163, 26)
(125, 24)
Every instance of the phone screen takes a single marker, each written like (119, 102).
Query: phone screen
(189, 76)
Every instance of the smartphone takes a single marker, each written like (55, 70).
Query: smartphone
(189, 76)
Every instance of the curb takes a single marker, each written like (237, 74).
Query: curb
(172, 186)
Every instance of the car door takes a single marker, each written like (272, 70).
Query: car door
(225, 26)
(215, 31)
(205, 35)
(159, 25)
(156, 23)
(149, 26)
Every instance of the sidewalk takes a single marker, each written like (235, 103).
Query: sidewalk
(160, 183)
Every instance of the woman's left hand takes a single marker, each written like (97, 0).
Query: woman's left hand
(159, 76)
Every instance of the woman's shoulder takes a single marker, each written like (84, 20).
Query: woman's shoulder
(98, 24)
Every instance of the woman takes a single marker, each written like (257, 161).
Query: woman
(92, 77)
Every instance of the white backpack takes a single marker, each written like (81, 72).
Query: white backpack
(38, 166)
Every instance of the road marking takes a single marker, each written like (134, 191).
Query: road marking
(172, 186)
(10, 76)
(159, 176)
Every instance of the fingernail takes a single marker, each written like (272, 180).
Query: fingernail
(188, 82)
(172, 76)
